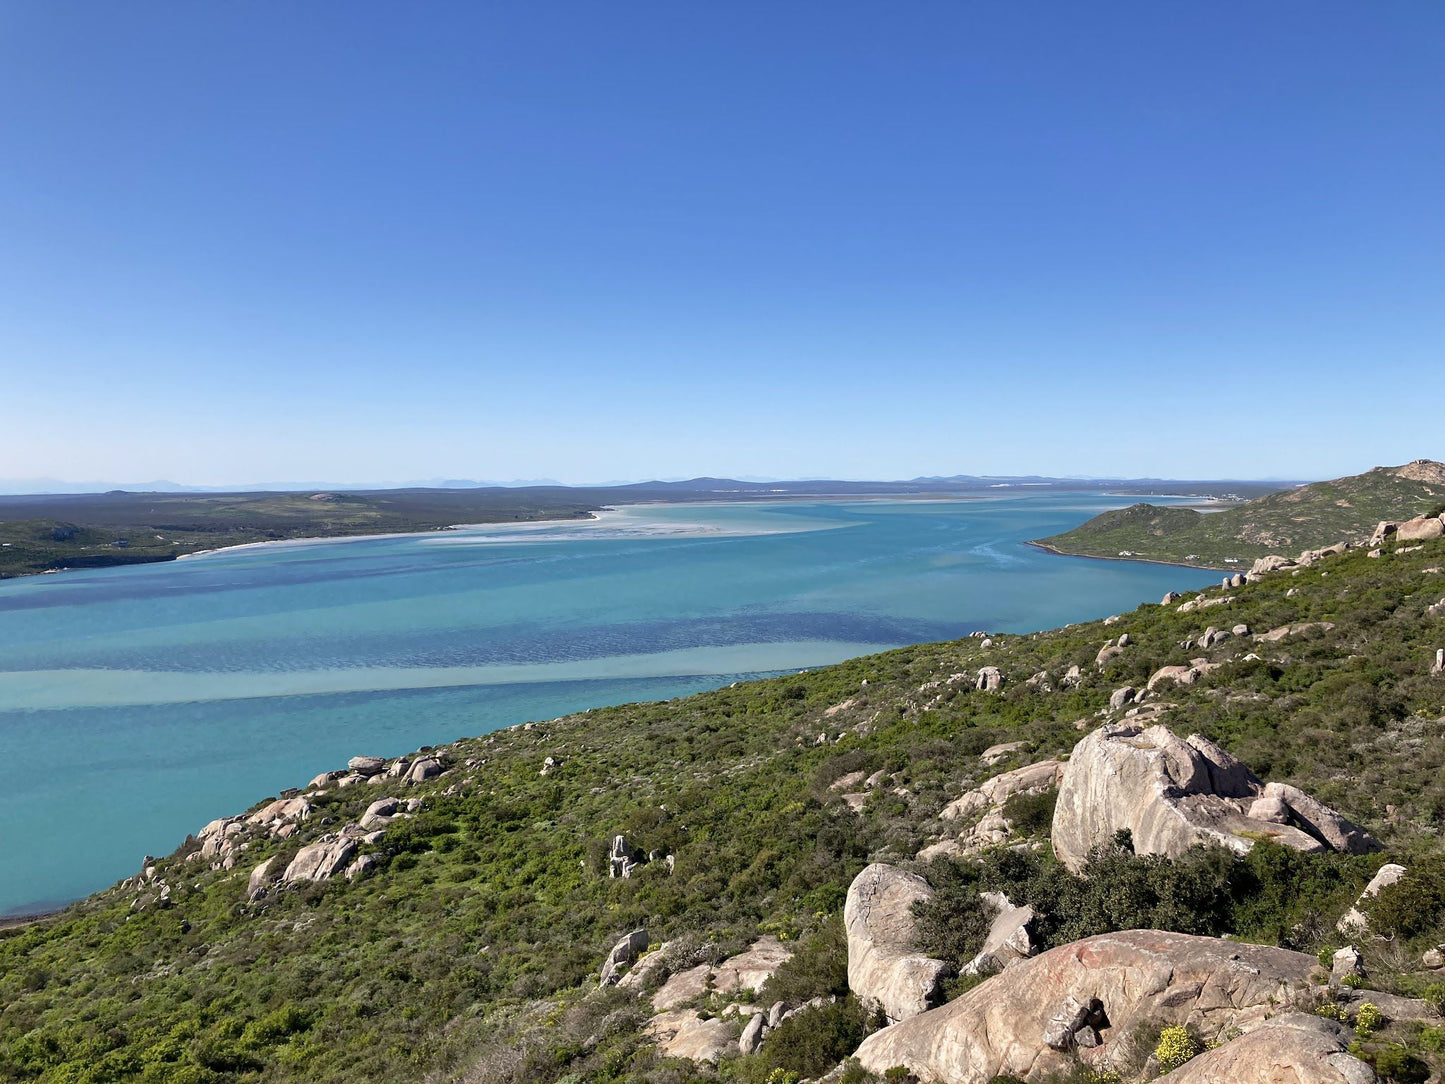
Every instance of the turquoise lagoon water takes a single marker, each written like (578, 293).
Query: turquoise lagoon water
(136, 704)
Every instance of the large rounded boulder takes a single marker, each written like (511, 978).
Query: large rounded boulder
(1172, 793)
(1085, 999)
(885, 970)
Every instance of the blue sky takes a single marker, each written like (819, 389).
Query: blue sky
(376, 241)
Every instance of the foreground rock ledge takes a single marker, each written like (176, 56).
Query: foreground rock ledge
(1005, 1025)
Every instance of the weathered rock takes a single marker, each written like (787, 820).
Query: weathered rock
(1170, 598)
(1237, 580)
(621, 858)
(321, 860)
(424, 769)
(1382, 532)
(1275, 635)
(322, 779)
(622, 954)
(1432, 959)
(260, 880)
(1172, 793)
(1072, 676)
(989, 679)
(366, 765)
(1008, 936)
(1121, 697)
(683, 987)
(1354, 919)
(1420, 529)
(1296, 1048)
(1273, 563)
(751, 1040)
(750, 969)
(1439, 666)
(1345, 965)
(884, 968)
(1138, 976)
(683, 1034)
(995, 754)
(1030, 779)
(775, 1014)
(379, 812)
(847, 781)
(1107, 654)
(361, 864)
(644, 968)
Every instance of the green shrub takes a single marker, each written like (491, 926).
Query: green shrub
(814, 1040)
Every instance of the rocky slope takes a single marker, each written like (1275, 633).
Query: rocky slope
(1302, 518)
(661, 892)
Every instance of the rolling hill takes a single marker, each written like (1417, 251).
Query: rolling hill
(1304, 517)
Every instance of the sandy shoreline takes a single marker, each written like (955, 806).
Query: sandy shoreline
(1131, 560)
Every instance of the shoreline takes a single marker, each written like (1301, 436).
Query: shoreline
(1131, 560)
(314, 540)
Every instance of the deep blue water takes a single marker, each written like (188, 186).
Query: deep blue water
(136, 704)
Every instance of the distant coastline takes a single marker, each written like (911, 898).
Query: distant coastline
(1133, 560)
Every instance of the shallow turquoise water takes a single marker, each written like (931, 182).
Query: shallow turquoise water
(136, 704)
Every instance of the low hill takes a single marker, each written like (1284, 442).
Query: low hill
(452, 926)
(1305, 517)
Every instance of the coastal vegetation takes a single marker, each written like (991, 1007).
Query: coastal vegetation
(1299, 518)
(468, 945)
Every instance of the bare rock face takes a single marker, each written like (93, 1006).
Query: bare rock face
(1030, 779)
(322, 860)
(260, 880)
(424, 769)
(1083, 997)
(747, 970)
(989, 679)
(1008, 936)
(1296, 1048)
(1420, 529)
(366, 765)
(622, 954)
(1173, 793)
(1354, 919)
(683, 1034)
(884, 969)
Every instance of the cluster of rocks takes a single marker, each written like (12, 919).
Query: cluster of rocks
(849, 783)
(376, 770)
(1172, 793)
(623, 858)
(1419, 529)
(683, 1032)
(983, 806)
(1040, 1014)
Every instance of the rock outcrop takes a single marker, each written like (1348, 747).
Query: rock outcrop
(1172, 793)
(1137, 977)
(622, 954)
(746, 971)
(1030, 779)
(1296, 1048)
(322, 860)
(884, 968)
(1008, 936)
(684, 1034)
(1420, 529)
(1354, 920)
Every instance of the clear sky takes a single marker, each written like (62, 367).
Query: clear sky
(357, 241)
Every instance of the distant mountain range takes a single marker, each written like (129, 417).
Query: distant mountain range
(46, 486)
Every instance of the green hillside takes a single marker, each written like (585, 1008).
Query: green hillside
(470, 949)
(1306, 517)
